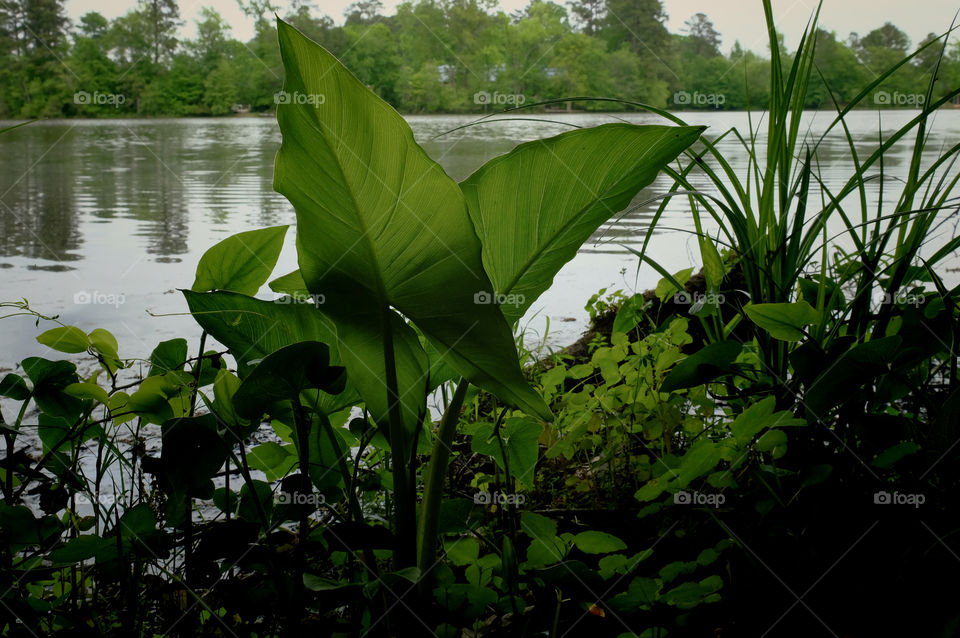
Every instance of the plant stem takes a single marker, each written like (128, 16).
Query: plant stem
(196, 373)
(302, 424)
(188, 520)
(353, 505)
(436, 473)
(511, 513)
(8, 484)
(404, 553)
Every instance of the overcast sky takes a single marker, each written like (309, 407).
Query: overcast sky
(734, 19)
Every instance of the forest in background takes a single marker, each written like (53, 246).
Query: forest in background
(431, 56)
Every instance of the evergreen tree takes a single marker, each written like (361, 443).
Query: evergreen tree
(703, 37)
(163, 18)
(44, 46)
(590, 14)
(639, 23)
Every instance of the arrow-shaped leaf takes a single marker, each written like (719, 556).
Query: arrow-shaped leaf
(535, 206)
(382, 230)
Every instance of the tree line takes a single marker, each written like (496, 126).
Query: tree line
(430, 56)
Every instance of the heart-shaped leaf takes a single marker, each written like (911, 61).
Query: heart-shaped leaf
(240, 263)
(703, 366)
(69, 339)
(284, 374)
(784, 321)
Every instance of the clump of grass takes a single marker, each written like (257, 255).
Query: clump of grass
(776, 215)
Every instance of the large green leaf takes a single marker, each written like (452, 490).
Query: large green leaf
(168, 356)
(252, 329)
(284, 374)
(363, 353)
(240, 263)
(847, 373)
(20, 527)
(758, 416)
(535, 206)
(78, 549)
(703, 366)
(191, 454)
(380, 229)
(519, 437)
(784, 321)
(642, 594)
(14, 387)
(69, 339)
(49, 379)
(273, 459)
(87, 391)
(105, 345)
(545, 547)
(688, 595)
(52, 431)
(699, 459)
(291, 284)
(595, 542)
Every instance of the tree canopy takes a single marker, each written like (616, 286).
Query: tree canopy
(429, 56)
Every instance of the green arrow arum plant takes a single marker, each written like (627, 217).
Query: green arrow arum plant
(407, 262)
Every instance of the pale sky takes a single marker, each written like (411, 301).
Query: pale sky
(734, 19)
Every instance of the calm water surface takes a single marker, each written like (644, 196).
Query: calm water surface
(101, 221)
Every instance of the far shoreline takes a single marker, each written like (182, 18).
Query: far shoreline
(273, 114)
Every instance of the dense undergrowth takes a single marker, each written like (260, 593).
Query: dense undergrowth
(766, 448)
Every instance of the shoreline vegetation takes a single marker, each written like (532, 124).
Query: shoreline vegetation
(783, 420)
(429, 57)
(512, 112)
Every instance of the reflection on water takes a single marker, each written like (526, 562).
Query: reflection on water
(65, 178)
(122, 210)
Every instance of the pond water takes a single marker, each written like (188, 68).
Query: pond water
(101, 221)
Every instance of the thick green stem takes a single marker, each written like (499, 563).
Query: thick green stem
(188, 500)
(436, 473)
(302, 423)
(248, 478)
(510, 511)
(352, 503)
(8, 484)
(196, 373)
(404, 553)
